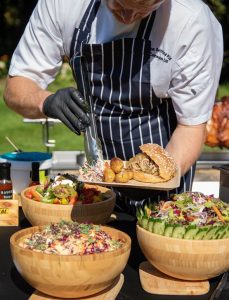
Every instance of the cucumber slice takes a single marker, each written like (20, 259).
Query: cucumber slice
(139, 216)
(220, 232)
(168, 230)
(141, 211)
(145, 222)
(47, 200)
(147, 211)
(210, 235)
(191, 232)
(202, 231)
(159, 226)
(179, 232)
(150, 224)
(139, 222)
(226, 235)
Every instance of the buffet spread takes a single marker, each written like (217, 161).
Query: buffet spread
(184, 237)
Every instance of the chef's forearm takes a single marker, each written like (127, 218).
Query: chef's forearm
(25, 97)
(186, 144)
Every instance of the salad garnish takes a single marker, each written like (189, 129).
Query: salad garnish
(71, 238)
(66, 189)
(189, 215)
(191, 208)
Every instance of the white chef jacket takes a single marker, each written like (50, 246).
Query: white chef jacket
(186, 49)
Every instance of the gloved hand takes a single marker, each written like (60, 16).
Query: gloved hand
(68, 106)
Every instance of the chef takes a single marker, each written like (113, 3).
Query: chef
(153, 65)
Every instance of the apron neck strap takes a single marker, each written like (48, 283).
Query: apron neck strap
(146, 26)
(86, 22)
(89, 15)
(144, 29)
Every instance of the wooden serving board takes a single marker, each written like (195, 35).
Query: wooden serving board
(155, 282)
(162, 186)
(9, 213)
(110, 293)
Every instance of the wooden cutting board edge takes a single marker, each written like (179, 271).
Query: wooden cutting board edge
(155, 282)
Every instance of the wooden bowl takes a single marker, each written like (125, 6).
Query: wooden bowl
(69, 276)
(38, 213)
(185, 259)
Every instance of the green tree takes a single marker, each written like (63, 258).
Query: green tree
(219, 7)
(14, 15)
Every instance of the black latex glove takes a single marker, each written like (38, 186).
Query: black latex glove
(68, 106)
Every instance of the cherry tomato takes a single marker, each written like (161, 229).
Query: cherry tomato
(56, 201)
(36, 196)
(28, 194)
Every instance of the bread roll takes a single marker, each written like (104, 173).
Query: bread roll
(145, 177)
(153, 165)
(166, 164)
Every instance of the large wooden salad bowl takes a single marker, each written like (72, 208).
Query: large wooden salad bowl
(69, 276)
(38, 213)
(185, 259)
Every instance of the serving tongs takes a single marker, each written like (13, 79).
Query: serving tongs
(92, 144)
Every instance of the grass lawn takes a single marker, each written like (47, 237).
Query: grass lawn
(223, 90)
(29, 136)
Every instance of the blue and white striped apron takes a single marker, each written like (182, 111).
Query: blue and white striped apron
(128, 113)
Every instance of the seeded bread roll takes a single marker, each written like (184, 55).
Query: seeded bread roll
(153, 165)
(166, 164)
